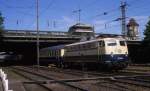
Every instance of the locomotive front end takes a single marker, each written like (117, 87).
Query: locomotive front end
(116, 54)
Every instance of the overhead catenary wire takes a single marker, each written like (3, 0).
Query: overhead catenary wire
(5, 3)
(52, 1)
(116, 19)
(32, 24)
(113, 10)
(105, 13)
(46, 9)
(144, 10)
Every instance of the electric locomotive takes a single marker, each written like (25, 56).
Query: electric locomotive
(111, 53)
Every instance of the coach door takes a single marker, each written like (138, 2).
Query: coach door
(101, 50)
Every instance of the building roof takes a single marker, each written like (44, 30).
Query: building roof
(81, 25)
(132, 22)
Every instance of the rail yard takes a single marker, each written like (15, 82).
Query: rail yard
(33, 78)
(74, 45)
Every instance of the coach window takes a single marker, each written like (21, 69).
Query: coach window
(84, 46)
(56, 53)
(122, 43)
(89, 45)
(94, 44)
(50, 53)
(53, 53)
(68, 48)
(78, 47)
(81, 46)
(72, 48)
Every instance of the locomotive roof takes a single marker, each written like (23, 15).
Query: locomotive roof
(93, 41)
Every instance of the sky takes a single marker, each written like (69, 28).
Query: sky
(59, 15)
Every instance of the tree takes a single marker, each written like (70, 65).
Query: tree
(1, 22)
(1, 26)
(147, 32)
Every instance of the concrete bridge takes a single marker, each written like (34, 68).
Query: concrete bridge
(44, 36)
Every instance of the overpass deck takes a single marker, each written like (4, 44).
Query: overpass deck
(44, 36)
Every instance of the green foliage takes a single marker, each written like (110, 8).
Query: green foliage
(1, 27)
(1, 23)
(147, 32)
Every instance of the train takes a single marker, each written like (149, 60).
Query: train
(9, 57)
(110, 53)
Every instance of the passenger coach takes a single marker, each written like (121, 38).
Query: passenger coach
(52, 55)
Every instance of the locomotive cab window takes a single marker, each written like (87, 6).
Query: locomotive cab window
(122, 43)
(111, 43)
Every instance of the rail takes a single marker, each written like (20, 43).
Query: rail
(25, 69)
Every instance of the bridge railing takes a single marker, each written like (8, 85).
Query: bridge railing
(34, 33)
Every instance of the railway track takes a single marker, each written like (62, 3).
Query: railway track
(46, 80)
(46, 77)
(18, 81)
(140, 69)
(139, 82)
(86, 73)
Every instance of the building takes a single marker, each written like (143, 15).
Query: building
(132, 30)
(84, 30)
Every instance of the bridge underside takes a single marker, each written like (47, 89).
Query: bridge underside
(139, 52)
(27, 49)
